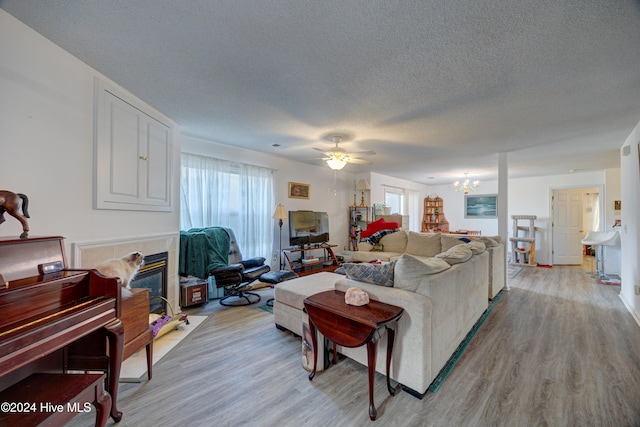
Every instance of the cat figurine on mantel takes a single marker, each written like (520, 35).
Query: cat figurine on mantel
(125, 268)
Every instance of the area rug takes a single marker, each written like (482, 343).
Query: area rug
(134, 369)
(455, 357)
(266, 307)
(513, 272)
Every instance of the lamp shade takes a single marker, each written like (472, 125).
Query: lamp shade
(363, 184)
(280, 212)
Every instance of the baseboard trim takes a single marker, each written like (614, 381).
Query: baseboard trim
(630, 309)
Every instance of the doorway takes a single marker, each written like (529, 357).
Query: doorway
(574, 212)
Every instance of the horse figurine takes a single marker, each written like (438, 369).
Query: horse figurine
(10, 203)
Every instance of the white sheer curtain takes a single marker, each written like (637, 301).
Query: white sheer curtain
(257, 204)
(413, 201)
(222, 193)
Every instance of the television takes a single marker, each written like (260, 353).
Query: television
(307, 227)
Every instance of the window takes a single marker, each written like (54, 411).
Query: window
(228, 194)
(394, 200)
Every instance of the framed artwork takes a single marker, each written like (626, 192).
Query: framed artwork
(298, 190)
(481, 206)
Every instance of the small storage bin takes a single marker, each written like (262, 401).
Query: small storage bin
(193, 292)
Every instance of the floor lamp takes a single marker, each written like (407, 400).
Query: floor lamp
(280, 213)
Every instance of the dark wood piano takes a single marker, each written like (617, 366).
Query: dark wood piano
(44, 309)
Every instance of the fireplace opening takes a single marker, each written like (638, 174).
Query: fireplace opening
(153, 276)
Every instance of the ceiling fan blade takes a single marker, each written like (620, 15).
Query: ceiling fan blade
(359, 161)
(364, 153)
(321, 150)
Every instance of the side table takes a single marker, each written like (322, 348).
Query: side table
(353, 326)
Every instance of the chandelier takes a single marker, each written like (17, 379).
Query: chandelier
(467, 185)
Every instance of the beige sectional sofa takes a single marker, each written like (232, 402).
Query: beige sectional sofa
(440, 309)
(395, 244)
(442, 301)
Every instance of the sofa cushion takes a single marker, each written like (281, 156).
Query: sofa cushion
(375, 256)
(456, 254)
(476, 247)
(488, 241)
(448, 241)
(395, 242)
(426, 245)
(364, 246)
(410, 271)
(376, 274)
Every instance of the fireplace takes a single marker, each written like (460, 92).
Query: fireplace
(153, 276)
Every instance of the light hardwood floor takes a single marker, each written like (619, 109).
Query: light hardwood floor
(558, 350)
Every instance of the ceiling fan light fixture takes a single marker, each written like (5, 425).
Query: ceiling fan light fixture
(336, 164)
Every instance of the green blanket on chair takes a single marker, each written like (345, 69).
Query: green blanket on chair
(202, 250)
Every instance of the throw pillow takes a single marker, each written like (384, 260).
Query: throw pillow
(395, 242)
(410, 271)
(376, 274)
(448, 241)
(476, 247)
(424, 244)
(456, 254)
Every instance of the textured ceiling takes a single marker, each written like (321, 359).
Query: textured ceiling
(435, 88)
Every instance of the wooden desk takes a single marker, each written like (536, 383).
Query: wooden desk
(352, 326)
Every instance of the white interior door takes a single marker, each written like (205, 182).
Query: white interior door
(567, 227)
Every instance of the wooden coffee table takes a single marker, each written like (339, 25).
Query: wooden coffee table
(353, 326)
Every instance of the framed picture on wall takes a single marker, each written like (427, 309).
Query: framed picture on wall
(481, 206)
(298, 190)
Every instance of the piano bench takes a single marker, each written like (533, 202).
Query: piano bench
(54, 399)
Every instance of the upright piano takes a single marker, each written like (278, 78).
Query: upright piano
(44, 309)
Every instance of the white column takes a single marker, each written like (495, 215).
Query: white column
(503, 207)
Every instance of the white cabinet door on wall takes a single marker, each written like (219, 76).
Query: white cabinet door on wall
(132, 153)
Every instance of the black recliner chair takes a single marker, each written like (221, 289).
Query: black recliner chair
(236, 277)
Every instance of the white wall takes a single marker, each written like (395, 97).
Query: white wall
(527, 196)
(329, 192)
(630, 230)
(46, 120)
(454, 208)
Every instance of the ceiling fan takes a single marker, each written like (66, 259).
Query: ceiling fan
(338, 157)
